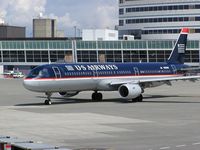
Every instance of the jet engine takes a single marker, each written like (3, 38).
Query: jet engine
(130, 91)
(68, 94)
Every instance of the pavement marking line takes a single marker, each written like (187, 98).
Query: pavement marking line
(198, 143)
(165, 148)
(181, 145)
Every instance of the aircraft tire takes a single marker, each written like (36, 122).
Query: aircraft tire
(47, 102)
(93, 96)
(135, 100)
(140, 98)
(97, 96)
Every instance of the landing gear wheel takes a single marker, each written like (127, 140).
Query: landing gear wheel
(135, 100)
(93, 96)
(140, 98)
(97, 96)
(47, 102)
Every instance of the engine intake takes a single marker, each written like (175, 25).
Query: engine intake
(130, 91)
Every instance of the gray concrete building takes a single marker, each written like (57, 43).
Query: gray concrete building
(7, 31)
(158, 19)
(44, 28)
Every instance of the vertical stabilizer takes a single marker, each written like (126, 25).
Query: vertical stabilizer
(178, 52)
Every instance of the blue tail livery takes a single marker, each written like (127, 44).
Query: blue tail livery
(178, 53)
(129, 79)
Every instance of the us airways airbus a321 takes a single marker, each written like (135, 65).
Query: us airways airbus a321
(129, 79)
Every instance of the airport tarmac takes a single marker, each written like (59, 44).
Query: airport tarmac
(168, 119)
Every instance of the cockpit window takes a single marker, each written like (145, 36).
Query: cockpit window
(39, 72)
(43, 73)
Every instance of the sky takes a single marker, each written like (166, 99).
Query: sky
(84, 14)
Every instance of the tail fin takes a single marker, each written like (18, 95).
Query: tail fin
(178, 53)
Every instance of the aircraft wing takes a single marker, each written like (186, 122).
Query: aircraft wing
(190, 78)
(165, 80)
(191, 69)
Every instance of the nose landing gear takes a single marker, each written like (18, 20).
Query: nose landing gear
(48, 100)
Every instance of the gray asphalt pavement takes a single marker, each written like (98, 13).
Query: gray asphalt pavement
(168, 119)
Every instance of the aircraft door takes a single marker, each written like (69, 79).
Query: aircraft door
(57, 72)
(136, 71)
(174, 69)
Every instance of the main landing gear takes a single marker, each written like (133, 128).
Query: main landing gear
(138, 99)
(97, 96)
(48, 100)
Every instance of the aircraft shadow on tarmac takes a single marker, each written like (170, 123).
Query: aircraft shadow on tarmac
(151, 99)
(147, 99)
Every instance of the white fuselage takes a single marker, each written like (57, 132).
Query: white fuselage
(83, 84)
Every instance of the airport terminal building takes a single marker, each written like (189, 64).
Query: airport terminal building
(24, 54)
(159, 19)
(157, 22)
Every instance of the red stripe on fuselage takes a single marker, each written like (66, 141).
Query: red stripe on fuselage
(88, 77)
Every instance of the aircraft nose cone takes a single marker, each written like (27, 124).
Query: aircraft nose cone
(30, 84)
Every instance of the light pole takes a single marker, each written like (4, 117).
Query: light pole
(75, 32)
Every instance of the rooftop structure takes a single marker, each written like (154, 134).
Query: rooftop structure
(99, 35)
(7, 31)
(44, 28)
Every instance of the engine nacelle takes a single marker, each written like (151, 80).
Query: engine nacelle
(130, 91)
(68, 94)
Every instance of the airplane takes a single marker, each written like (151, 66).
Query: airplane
(129, 79)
